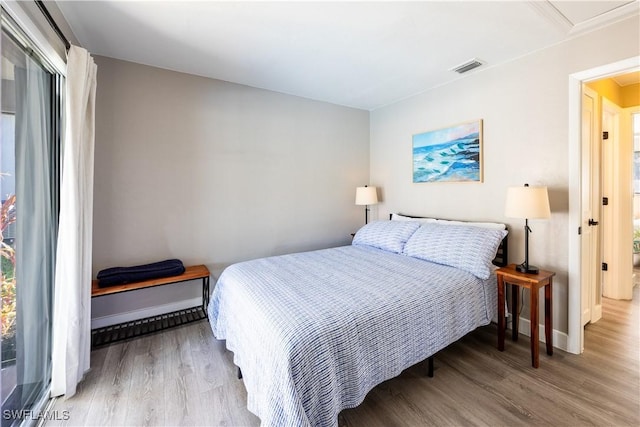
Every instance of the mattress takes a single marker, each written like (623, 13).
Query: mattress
(314, 332)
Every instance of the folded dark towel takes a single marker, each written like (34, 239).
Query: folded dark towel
(121, 275)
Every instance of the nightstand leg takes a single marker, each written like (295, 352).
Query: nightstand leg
(533, 314)
(548, 317)
(501, 319)
(515, 317)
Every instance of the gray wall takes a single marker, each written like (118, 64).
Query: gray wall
(213, 172)
(524, 107)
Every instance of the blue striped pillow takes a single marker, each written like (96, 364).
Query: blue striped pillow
(468, 248)
(388, 235)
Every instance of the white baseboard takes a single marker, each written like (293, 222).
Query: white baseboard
(560, 339)
(101, 322)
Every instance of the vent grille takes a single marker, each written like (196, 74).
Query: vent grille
(467, 66)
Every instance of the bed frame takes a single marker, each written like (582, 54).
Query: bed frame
(502, 255)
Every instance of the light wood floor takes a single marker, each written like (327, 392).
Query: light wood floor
(184, 376)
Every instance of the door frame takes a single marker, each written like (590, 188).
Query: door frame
(575, 333)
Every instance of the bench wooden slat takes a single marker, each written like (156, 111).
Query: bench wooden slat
(190, 273)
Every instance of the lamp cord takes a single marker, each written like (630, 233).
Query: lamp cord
(518, 309)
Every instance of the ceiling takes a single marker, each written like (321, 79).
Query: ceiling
(358, 54)
(627, 79)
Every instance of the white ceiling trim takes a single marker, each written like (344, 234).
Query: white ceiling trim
(607, 18)
(547, 10)
(553, 15)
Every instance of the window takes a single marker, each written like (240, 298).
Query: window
(29, 162)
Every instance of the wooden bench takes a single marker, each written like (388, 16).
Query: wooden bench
(108, 334)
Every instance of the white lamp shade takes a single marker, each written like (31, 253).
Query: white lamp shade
(527, 202)
(366, 196)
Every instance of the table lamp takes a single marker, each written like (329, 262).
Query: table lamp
(366, 196)
(527, 203)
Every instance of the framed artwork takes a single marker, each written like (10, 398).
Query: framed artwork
(452, 154)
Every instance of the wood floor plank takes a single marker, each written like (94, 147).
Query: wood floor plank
(108, 407)
(180, 394)
(184, 376)
(146, 382)
(78, 407)
(210, 373)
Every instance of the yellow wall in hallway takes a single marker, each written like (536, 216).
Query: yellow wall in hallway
(622, 96)
(631, 96)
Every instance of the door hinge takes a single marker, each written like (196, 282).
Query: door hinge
(605, 266)
(579, 230)
(605, 201)
(605, 135)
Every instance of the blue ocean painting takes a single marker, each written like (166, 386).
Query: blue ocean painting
(451, 154)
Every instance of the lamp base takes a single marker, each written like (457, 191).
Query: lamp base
(528, 269)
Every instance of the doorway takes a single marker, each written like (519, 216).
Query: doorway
(608, 171)
(579, 270)
(635, 126)
(616, 98)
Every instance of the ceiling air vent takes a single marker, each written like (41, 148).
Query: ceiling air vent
(467, 66)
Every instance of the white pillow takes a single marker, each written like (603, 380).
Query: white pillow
(388, 235)
(491, 225)
(465, 247)
(398, 217)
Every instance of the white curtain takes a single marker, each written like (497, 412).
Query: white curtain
(72, 290)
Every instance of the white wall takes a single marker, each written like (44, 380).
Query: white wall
(524, 105)
(213, 173)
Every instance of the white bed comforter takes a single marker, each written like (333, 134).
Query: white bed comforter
(314, 332)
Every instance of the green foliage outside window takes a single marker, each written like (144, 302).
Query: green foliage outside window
(7, 271)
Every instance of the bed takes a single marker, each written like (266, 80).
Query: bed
(314, 332)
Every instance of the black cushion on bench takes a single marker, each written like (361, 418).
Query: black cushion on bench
(122, 275)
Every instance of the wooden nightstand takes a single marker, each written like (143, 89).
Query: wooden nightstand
(533, 282)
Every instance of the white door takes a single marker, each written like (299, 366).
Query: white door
(617, 169)
(590, 200)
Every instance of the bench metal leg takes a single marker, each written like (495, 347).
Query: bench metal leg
(205, 295)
